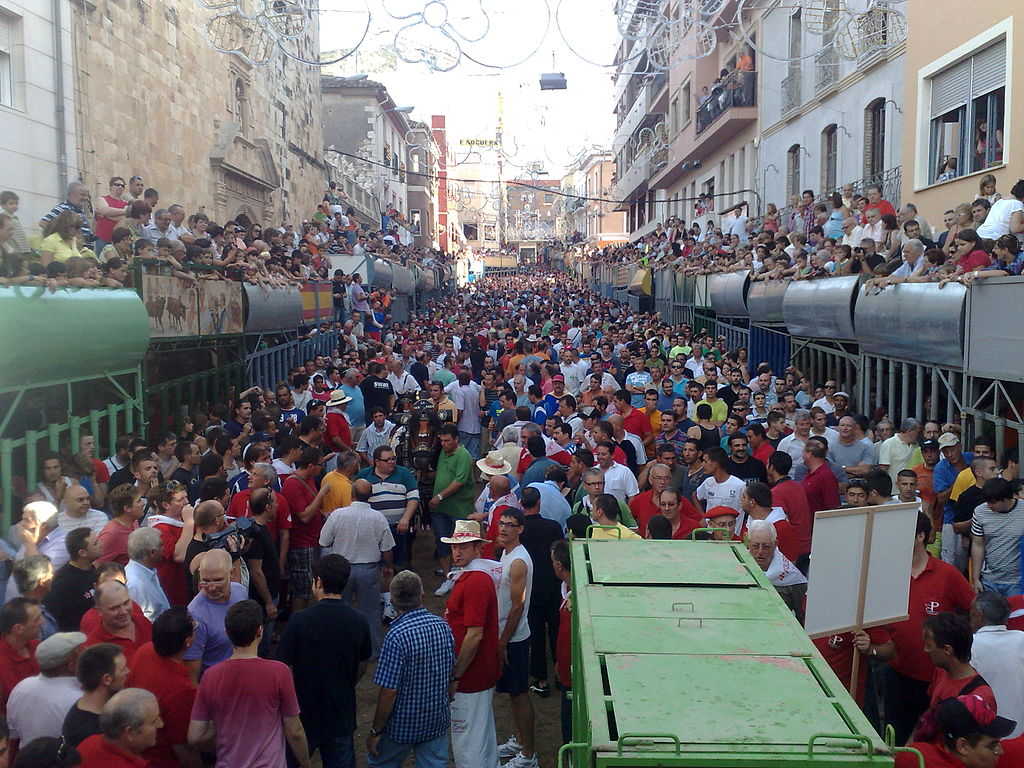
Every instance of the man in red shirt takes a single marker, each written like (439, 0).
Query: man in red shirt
(790, 495)
(175, 524)
(633, 419)
(948, 641)
(130, 721)
(935, 587)
(679, 512)
(338, 431)
(119, 624)
(472, 614)
(646, 505)
(761, 447)
(756, 501)
(560, 562)
(819, 484)
(262, 476)
(304, 501)
(968, 734)
(21, 620)
(838, 651)
(158, 667)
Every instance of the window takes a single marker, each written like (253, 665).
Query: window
(874, 140)
(241, 106)
(8, 36)
(687, 100)
(967, 117)
(793, 171)
(414, 221)
(673, 115)
(469, 231)
(549, 198)
(830, 158)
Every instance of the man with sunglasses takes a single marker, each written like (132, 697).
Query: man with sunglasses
(395, 494)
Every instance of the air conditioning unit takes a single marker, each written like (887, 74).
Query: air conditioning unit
(553, 81)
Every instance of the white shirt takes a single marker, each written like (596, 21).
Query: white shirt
(794, 446)
(574, 374)
(38, 705)
(403, 384)
(93, 520)
(358, 533)
(522, 631)
(282, 469)
(144, 587)
(830, 435)
(997, 222)
(608, 382)
(619, 482)
(998, 656)
(724, 494)
(825, 405)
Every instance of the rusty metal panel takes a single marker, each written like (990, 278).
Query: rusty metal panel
(915, 321)
(764, 300)
(272, 309)
(821, 309)
(728, 293)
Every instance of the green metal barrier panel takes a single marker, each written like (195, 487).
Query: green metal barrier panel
(684, 655)
(70, 333)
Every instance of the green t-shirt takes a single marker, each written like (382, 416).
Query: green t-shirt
(444, 376)
(451, 468)
(546, 328)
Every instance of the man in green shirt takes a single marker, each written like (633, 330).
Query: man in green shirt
(454, 494)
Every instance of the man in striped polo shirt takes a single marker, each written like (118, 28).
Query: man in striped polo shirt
(396, 496)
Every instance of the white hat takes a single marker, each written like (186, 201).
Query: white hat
(338, 397)
(55, 650)
(494, 464)
(948, 440)
(465, 532)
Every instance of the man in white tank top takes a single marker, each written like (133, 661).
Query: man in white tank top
(514, 637)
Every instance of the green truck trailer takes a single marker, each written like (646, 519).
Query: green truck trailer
(684, 655)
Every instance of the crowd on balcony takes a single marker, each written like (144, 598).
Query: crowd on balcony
(843, 234)
(85, 243)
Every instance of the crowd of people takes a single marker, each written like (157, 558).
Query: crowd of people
(86, 243)
(222, 589)
(844, 233)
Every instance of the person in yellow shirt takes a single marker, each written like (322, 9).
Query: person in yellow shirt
(606, 512)
(59, 238)
(719, 408)
(339, 483)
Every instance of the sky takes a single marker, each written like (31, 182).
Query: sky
(549, 127)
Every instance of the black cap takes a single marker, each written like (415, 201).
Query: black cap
(930, 444)
(966, 715)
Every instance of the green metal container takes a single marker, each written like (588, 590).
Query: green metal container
(684, 655)
(70, 333)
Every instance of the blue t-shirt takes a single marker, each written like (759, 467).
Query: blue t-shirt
(356, 410)
(942, 480)
(641, 380)
(210, 642)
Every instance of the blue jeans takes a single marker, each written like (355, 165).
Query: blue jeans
(402, 552)
(443, 526)
(1006, 589)
(471, 442)
(429, 754)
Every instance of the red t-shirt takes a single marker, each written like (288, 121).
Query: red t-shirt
(100, 472)
(563, 646)
(945, 687)
(1016, 620)
(105, 227)
(239, 507)
(838, 651)
(113, 541)
(14, 668)
(169, 681)
(91, 620)
(935, 756)
(790, 495)
(299, 495)
(940, 587)
(822, 491)
(643, 508)
(171, 574)
(785, 535)
(143, 634)
(1013, 753)
(974, 260)
(474, 603)
(337, 426)
(763, 452)
(884, 207)
(97, 752)
(247, 700)
(638, 422)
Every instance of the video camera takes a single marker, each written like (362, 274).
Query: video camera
(243, 526)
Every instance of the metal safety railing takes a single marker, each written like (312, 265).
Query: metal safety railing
(267, 367)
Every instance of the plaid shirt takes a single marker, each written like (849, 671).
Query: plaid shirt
(416, 660)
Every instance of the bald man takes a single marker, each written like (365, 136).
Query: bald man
(361, 535)
(217, 593)
(119, 623)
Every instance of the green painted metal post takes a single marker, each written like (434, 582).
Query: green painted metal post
(112, 433)
(7, 482)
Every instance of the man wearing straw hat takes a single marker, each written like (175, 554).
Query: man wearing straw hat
(453, 492)
(472, 614)
(338, 430)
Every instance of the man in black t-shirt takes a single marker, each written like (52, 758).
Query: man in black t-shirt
(102, 672)
(72, 592)
(741, 464)
(984, 468)
(377, 390)
(338, 291)
(262, 558)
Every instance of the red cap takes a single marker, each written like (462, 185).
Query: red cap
(721, 511)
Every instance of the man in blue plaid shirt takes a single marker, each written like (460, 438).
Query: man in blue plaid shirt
(413, 672)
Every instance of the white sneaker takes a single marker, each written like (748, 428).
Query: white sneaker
(509, 749)
(445, 588)
(522, 761)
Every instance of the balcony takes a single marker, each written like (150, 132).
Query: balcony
(826, 70)
(791, 91)
(632, 120)
(635, 177)
(738, 90)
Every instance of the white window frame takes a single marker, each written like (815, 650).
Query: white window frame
(922, 173)
(9, 42)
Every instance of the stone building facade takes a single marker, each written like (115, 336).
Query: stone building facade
(207, 129)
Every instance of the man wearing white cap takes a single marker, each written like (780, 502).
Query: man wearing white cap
(39, 704)
(472, 614)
